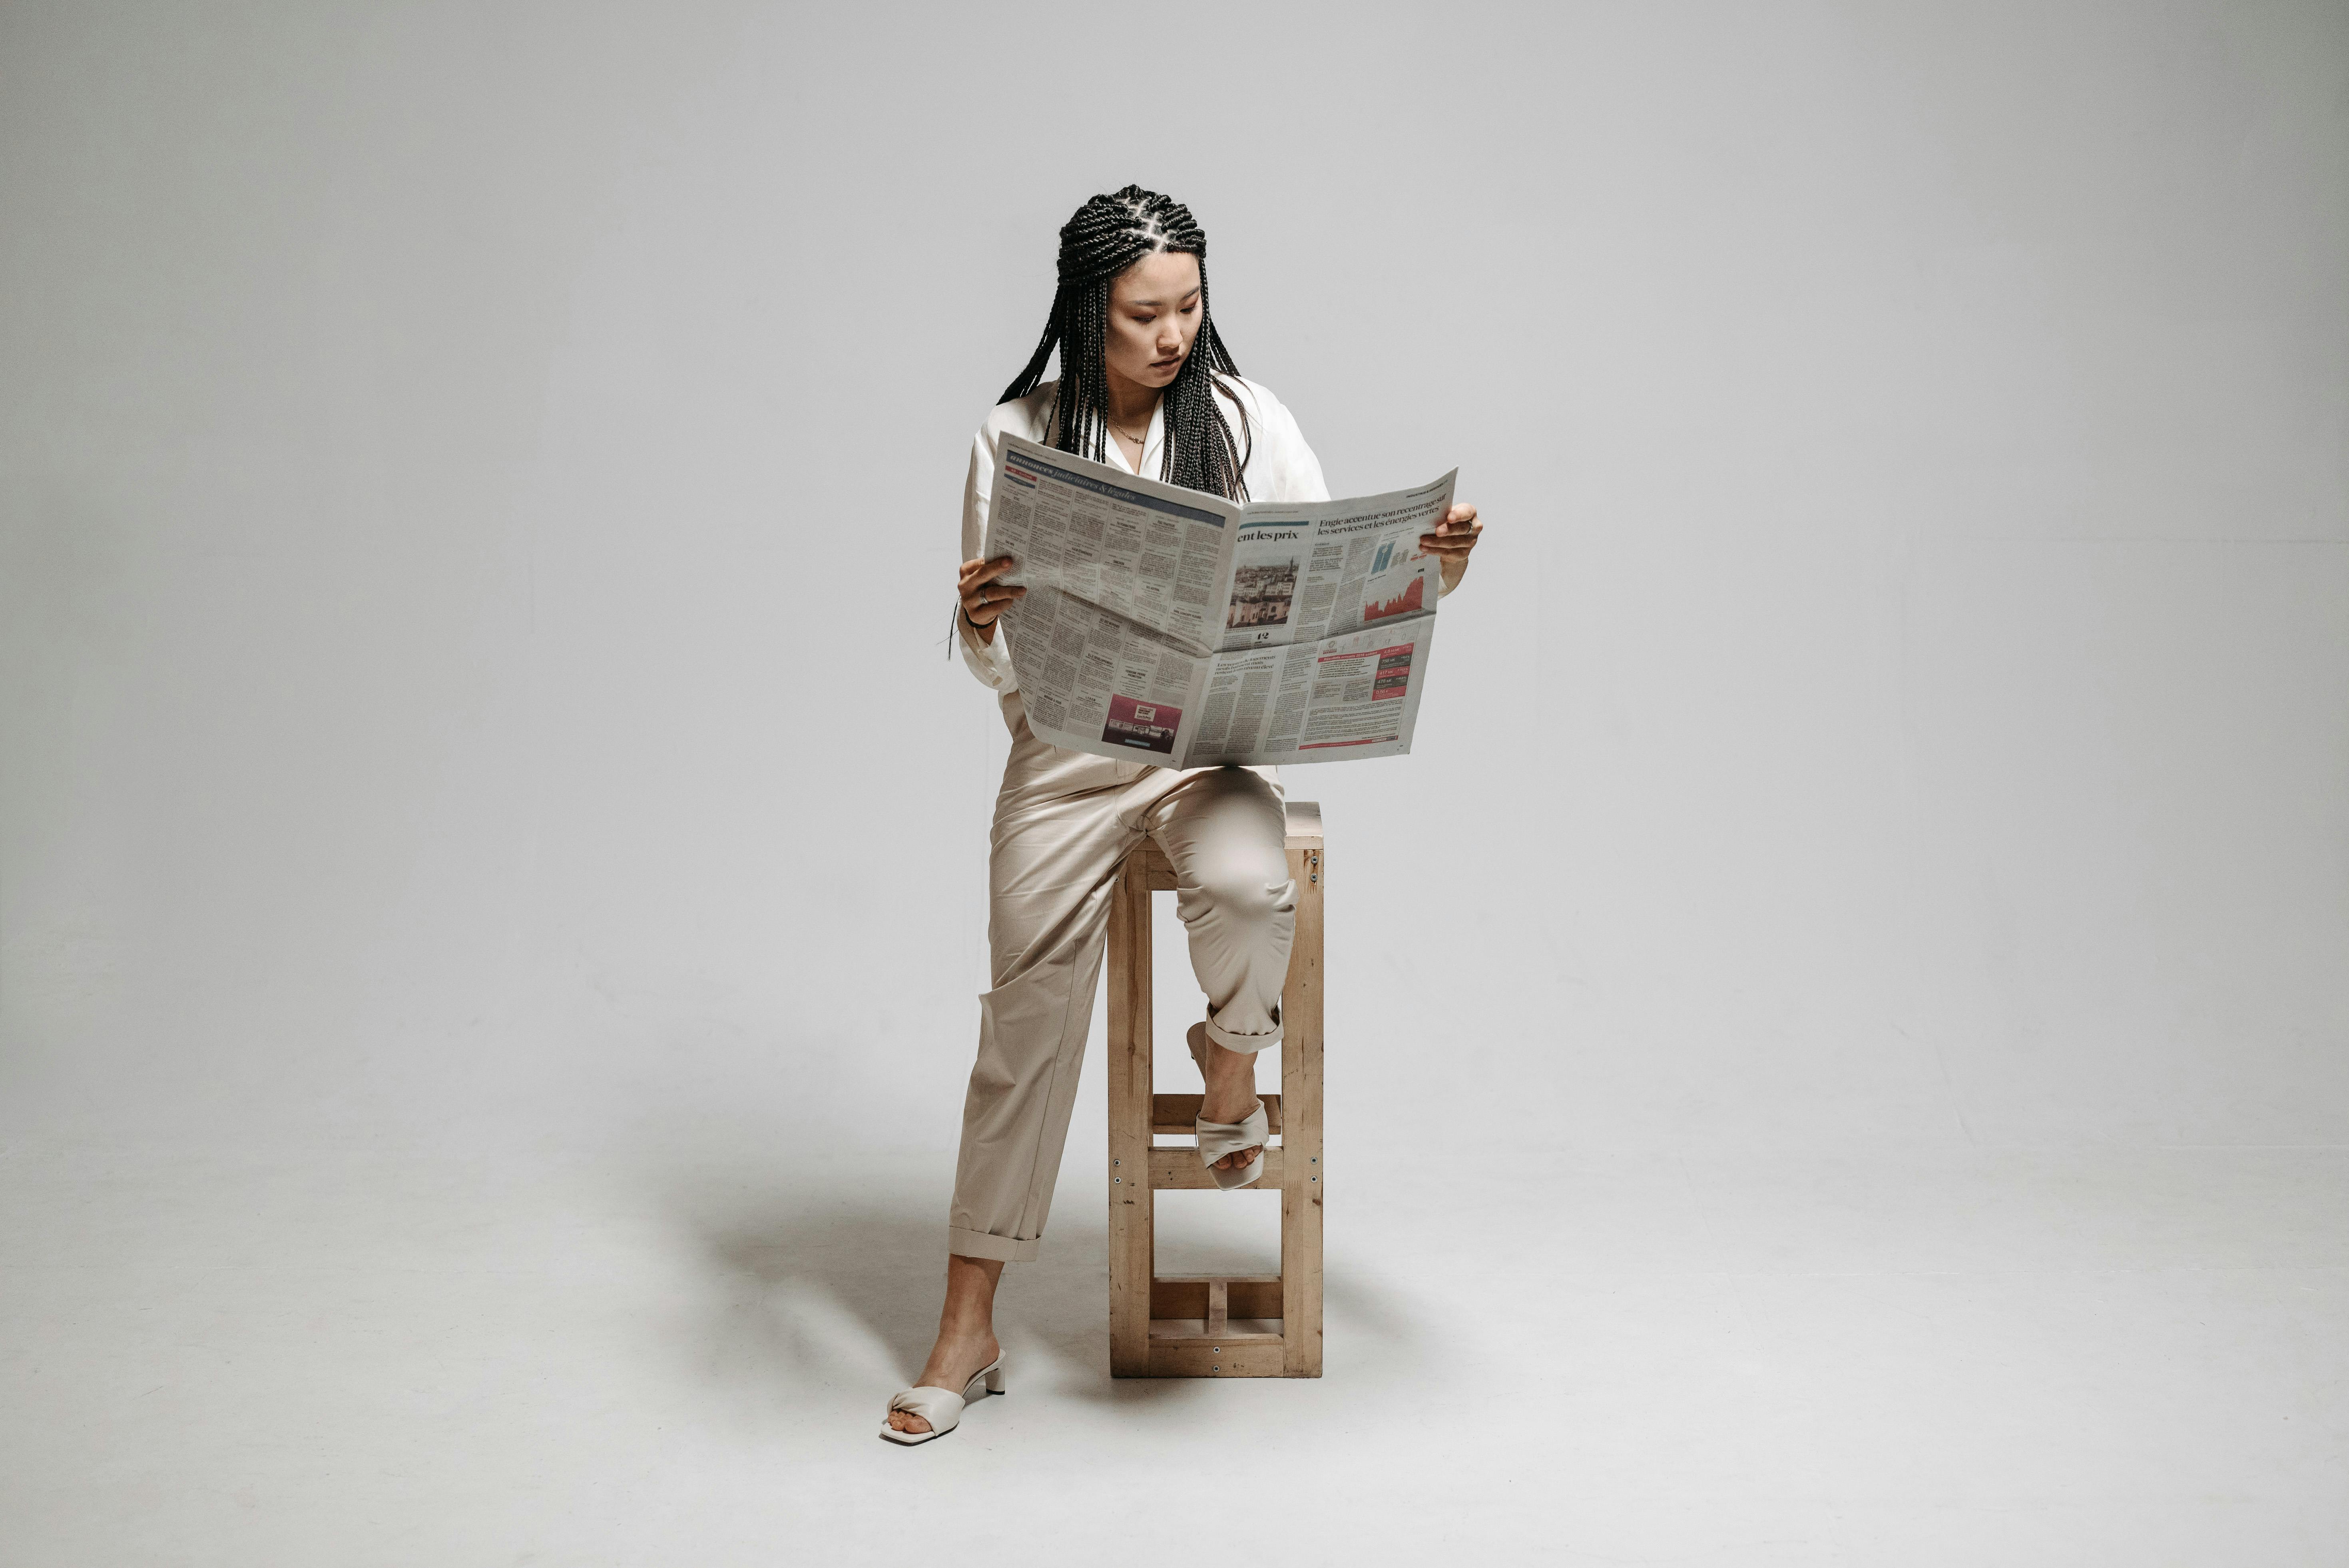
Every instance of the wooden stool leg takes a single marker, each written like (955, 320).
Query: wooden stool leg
(1304, 1178)
(1130, 1248)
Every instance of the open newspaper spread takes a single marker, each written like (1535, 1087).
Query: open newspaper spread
(1183, 629)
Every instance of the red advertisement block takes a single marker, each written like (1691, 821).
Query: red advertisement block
(1145, 726)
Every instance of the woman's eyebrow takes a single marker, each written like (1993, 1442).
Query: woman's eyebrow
(1156, 304)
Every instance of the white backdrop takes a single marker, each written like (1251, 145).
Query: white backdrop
(478, 490)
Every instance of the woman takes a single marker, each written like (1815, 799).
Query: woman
(1146, 384)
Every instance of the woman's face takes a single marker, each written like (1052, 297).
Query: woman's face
(1154, 314)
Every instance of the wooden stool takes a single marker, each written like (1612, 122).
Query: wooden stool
(1195, 1326)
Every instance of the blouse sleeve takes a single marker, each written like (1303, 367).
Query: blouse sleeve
(989, 663)
(1295, 471)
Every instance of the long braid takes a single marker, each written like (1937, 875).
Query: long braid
(1107, 235)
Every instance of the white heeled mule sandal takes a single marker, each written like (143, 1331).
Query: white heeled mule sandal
(941, 1408)
(1218, 1139)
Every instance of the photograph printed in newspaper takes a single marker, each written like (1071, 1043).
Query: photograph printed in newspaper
(1182, 629)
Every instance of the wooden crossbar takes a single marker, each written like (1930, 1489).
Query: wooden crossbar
(1182, 1170)
(1175, 1113)
(1199, 1325)
(1186, 1295)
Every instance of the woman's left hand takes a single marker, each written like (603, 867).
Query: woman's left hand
(1454, 538)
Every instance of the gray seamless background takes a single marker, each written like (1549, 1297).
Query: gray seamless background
(478, 489)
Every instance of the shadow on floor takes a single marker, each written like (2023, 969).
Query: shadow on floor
(817, 1277)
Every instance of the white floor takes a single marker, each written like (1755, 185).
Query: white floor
(2133, 1357)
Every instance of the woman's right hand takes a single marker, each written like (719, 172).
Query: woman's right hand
(983, 598)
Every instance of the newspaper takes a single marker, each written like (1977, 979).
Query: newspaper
(1182, 629)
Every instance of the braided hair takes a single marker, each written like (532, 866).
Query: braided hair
(1107, 235)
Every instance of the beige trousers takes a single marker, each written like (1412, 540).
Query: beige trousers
(1064, 823)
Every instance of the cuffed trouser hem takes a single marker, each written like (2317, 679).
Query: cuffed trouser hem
(1246, 1044)
(1002, 1249)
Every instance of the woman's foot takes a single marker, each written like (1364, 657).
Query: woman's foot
(1231, 1093)
(965, 1333)
(953, 1362)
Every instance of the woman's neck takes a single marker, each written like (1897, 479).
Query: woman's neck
(1131, 403)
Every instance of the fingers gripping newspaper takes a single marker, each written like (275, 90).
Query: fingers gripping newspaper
(1182, 629)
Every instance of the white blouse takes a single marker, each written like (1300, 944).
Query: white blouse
(1280, 467)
